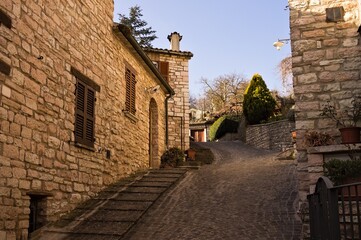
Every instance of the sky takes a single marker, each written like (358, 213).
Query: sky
(225, 37)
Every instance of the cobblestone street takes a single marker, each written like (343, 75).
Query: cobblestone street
(245, 194)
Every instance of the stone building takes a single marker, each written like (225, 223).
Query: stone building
(326, 66)
(173, 65)
(81, 107)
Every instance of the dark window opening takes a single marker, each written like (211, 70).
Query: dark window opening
(335, 14)
(5, 68)
(37, 217)
(5, 19)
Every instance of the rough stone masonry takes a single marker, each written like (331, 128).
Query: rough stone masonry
(48, 50)
(326, 66)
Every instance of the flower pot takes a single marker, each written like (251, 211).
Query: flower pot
(350, 134)
(191, 153)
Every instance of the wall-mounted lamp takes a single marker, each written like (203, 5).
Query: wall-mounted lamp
(152, 90)
(280, 43)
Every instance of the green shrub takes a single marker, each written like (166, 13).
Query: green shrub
(258, 104)
(223, 125)
(338, 170)
(172, 158)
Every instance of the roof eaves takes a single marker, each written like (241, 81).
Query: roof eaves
(129, 37)
(168, 51)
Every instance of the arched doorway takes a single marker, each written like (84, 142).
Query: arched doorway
(154, 161)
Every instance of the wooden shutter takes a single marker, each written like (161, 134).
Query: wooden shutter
(84, 114)
(133, 94)
(164, 70)
(130, 91)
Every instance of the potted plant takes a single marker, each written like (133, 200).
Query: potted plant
(315, 138)
(347, 119)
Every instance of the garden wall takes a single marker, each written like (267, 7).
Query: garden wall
(273, 136)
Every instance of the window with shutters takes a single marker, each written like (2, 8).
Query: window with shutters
(84, 110)
(163, 68)
(130, 91)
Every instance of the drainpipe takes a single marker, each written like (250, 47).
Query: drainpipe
(168, 96)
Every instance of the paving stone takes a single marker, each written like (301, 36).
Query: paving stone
(245, 194)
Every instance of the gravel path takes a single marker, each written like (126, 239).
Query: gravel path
(244, 194)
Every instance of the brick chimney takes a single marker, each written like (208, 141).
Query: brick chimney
(174, 39)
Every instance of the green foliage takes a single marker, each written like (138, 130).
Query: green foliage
(258, 104)
(203, 156)
(338, 170)
(223, 125)
(144, 35)
(172, 157)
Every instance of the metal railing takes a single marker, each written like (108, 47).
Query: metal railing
(335, 211)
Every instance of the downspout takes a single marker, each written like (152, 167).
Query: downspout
(168, 96)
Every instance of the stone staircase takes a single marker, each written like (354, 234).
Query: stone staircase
(115, 210)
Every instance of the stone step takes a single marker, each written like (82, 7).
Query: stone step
(114, 210)
(75, 236)
(170, 170)
(145, 189)
(127, 205)
(152, 184)
(158, 179)
(138, 197)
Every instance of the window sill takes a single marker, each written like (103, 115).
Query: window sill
(131, 116)
(76, 144)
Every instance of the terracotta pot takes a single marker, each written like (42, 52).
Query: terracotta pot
(191, 153)
(350, 134)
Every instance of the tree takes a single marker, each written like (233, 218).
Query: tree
(225, 91)
(258, 104)
(285, 72)
(192, 101)
(144, 35)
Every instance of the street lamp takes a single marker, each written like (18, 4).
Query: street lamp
(280, 43)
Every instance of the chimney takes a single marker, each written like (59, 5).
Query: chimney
(174, 39)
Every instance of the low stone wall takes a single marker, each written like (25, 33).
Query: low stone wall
(273, 136)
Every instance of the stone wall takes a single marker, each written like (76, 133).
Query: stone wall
(326, 66)
(38, 156)
(273, 136)
(178, 105)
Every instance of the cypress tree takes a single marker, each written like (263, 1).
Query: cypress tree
(258, 104)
